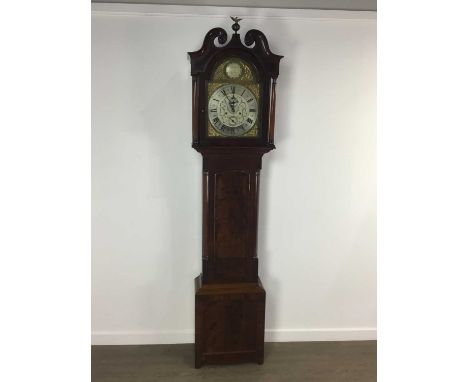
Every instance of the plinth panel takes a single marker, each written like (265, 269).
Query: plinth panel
(229, 323)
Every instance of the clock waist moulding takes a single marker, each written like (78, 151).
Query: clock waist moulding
(233, 118)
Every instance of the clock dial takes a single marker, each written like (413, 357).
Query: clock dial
(232, 110)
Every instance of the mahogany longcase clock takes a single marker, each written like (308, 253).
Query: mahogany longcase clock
(233, 116)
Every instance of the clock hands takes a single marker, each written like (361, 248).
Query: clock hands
(232, 103)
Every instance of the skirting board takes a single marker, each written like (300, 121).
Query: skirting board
(271, 335)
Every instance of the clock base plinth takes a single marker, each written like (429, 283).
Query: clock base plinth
(229, 323)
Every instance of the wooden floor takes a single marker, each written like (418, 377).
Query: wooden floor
(292, 361)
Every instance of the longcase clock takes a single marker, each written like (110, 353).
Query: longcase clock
(233, 120)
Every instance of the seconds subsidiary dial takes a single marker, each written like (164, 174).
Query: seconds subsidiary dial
(233, 110)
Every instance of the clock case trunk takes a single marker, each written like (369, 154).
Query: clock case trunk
(229, 296)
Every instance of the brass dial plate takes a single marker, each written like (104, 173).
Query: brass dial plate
(234, 71)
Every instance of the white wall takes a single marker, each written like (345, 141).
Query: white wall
(317, 237)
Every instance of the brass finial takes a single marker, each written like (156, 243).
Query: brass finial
(235, 26)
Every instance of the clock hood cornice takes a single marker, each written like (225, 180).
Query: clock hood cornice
(255, 43)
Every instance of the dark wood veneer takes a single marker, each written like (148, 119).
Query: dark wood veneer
(229, 297)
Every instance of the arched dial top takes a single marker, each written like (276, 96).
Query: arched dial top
(233, 99)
